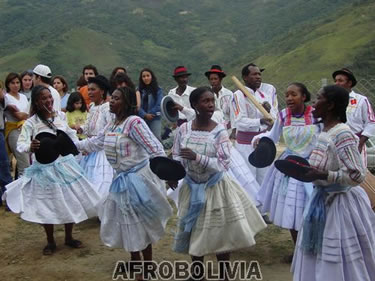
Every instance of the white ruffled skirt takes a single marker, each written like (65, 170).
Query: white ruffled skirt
(348, 251)
(55, 193)
(98, 171)
(285, 198)
(228, 222)
(123, 226)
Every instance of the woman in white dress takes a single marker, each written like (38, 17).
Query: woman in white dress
(56, 192)
(284, 197)
(210, 201)
(135, 212)
(337, 240)
(96, 166)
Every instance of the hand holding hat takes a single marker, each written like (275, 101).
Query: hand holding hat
(167, 169)
(169, 109)
(264, 153)
(299, 169)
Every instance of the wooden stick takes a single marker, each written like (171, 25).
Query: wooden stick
(251, 98)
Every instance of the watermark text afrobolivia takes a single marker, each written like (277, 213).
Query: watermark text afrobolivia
(182, 270)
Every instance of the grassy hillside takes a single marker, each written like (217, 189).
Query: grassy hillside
(292, 39)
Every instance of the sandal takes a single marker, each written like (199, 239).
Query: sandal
(73, 243)
(49, 249)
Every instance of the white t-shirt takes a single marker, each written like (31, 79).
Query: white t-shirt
(22, 104)
(182, 100)
(56, 98)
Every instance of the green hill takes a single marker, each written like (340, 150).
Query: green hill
(294, 40)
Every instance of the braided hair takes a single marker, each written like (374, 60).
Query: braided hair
(196, 94)
(34, 108)
(339, 96)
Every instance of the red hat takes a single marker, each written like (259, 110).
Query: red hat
(180, 71)
(215, 69)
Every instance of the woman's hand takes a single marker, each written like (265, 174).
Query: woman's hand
(255, 142)
(35, 144)
(187, 153)
(266, 105)
(178, 106)
(21, 115)
(313, 174)
(172, 184)
(149, 116)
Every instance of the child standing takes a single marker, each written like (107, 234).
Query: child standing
(76, 112)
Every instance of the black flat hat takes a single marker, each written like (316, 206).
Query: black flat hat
(348, 73)
(47, 152)
(264, 154)
(65, 144)
(180, 71)
(293, 166)
(167, 109)
(167, 169)
(217, 70)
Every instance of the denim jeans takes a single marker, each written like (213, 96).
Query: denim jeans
(5, 176)
(155, 127)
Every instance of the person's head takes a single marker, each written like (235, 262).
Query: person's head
(117, 70)
(147, 79)
(89, 71)
(252, 76)
(344, 78)
(215, 75)
(60, 84)
(123, 102)
(76, 102)
(26, 80)
(331, 101)
(41, 101)
(123, 80)
(13, 83)
(181, 76)
(202, 100)
(42, 75)
(81, 82)
(296, 96)
(98, 87)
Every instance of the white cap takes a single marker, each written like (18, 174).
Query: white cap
(43, 70)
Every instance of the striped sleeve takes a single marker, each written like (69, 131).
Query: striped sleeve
(352, 171)
(142, 135)
(368, 118)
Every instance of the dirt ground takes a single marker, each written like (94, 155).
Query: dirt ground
(21, 258)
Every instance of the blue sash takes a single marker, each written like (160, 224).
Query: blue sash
(132, 191)
(315, 218)
(197, 202)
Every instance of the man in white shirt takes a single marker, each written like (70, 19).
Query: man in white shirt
(42, 76)
(359, 114)
(181, 93)
(223, 96)
(248, 120)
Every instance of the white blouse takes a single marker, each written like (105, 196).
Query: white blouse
(212, 149)
(34, 125)
(98, 117)
(337, 152)
(125, 145)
